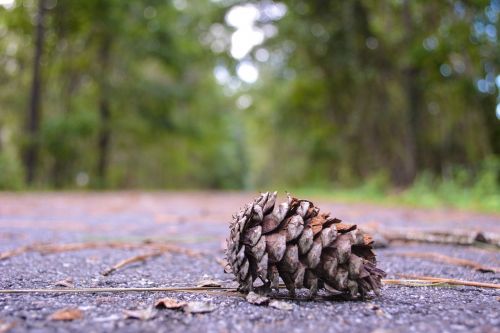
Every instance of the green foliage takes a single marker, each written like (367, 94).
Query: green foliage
(476, 190)
(62, 133)
(11, 177)
(381, 87)
(462, 189)
(361, 96)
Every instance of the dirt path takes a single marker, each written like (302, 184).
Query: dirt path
(198, 222)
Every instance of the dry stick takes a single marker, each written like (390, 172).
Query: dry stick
(452, 281)
(131, 260)
(118, 289)
(449, 260)
(57, 248)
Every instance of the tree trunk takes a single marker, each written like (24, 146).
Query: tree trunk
(413, 95)
(104, 139)
(34, 110)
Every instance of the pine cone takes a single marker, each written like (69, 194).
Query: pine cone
(304, 247)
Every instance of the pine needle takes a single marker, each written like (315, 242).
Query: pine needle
(113, 290)
(452, 281)
(412, 282)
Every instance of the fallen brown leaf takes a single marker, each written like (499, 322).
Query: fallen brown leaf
(169, 303)
(378, 311)
(67, 283)
(254, 298)
(5, 327)
(199, 307)
(141, 314)
(281, 305)
(207, 281)
(67, 314)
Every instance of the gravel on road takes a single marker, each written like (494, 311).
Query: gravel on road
(199, 221)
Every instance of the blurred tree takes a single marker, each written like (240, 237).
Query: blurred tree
(105, 37)
(378, 87)
(117, 69)
(348, 90)
(34, 113)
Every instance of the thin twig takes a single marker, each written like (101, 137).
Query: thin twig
(452, 281)
(111, 290)
(448, 260)
(131, 260)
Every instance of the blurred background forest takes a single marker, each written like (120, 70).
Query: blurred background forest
(361, 99)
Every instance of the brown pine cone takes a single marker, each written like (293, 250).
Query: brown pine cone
(304, 247)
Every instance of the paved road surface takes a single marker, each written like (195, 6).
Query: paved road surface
(198, 221)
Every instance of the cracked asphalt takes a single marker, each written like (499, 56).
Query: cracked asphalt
(199, 221)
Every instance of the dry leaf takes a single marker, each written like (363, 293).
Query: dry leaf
(67, 283)
(378, 311)
(257, 299)
(169, 303)
(281, 305)
(67, 314)
(142, 314)
(112, 317)
(207, 281)
(5, 327)
(199, 307)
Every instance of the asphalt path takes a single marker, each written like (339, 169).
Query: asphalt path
(198, 223)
